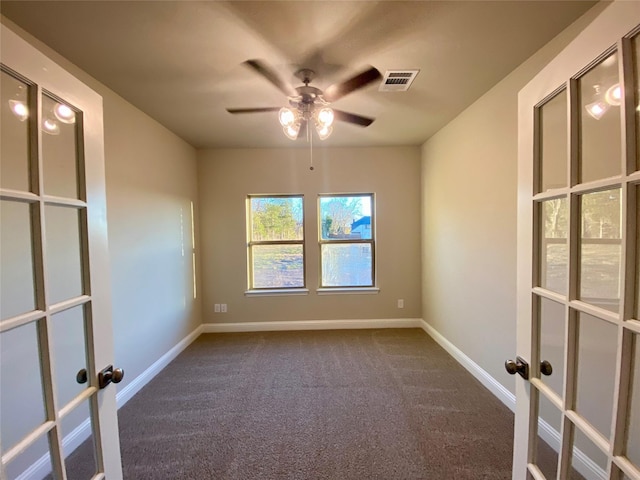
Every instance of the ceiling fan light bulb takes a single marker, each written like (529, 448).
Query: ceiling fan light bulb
(597, 109)
(325, 117)
(291, 131)
(64, 113)
(19, 109)
(286, 117)
(613, 96)
(324, 131)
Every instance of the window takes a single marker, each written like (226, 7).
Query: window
(276, 241)
(346, 240)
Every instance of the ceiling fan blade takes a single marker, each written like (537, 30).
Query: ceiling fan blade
(352, 118)
(270, 74)
(339, 90)
(253, 110)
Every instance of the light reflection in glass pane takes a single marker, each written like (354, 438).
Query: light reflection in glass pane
(553, 126)
(277, 266)
(597, 346)
(600, 134)
(59, 149)
(553, 245)
(601, 249)
(14, 134)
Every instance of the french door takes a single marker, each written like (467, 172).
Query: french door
(55, 310)
(578, 405)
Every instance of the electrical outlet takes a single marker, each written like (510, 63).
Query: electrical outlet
(400, 303)
(223, 308)
(216, 308)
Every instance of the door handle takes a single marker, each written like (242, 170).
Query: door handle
(520, 366)
(546, 368)
(109, 375)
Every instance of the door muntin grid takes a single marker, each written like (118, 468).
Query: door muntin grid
(59, 306)
(600, 440)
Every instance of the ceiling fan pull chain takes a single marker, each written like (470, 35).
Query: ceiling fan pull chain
(310, 148)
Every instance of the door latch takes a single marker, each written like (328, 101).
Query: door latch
(108, 375)
(520, 366)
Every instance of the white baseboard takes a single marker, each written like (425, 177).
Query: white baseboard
(495, 387)
(311, 325)
(42, 467)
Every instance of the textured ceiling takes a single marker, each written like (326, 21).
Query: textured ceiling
(181, 61)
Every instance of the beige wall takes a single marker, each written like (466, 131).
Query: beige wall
(227, 176)
(469, 180)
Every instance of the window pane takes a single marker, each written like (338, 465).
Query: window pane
(347, 265)
(553, 140)
(277, 266)
(276, 218)
(601, 249)
(14, 134)
(600, 134)
(553, 245)
(344, 217)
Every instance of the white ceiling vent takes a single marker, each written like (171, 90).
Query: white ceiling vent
(397, 80)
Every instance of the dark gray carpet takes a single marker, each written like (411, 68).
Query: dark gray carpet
(356, 404)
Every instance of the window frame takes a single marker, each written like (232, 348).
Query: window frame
(252, 243)
(372, 288)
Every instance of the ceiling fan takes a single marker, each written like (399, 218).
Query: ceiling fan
(308, 104)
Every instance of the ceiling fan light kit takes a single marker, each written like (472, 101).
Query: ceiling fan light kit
(310, 104)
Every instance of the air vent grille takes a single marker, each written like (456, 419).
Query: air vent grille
(397, 80)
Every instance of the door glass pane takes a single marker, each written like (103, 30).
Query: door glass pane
(14, 134)
(16, 256)
(601, 249)
(21, 400)
(69, 354)
(38, 451)
(552, 340)
(597, 344)
(63, 253)
(59, 149)
(553, 245)
(633, 432)
(586, 452)
(636, 57)
(548, 445)
(600, 134)
(553, 142)
(276, 266)
(80, 456)
(347, 265)
(637, 212)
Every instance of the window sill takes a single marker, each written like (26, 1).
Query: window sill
(276, 292)
(348, 291)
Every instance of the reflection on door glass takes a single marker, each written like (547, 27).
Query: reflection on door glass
(69, 353)
(553, 142)
(597, 345)
(633, 432)
(59, 149)
(553, 245)
(64, 267)
(600, 134)
(17, 289)
(636, 55)
(601, 249)
(14, 134)
(586, 452)
(552, 340)
(20, 372)
(548, 445)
